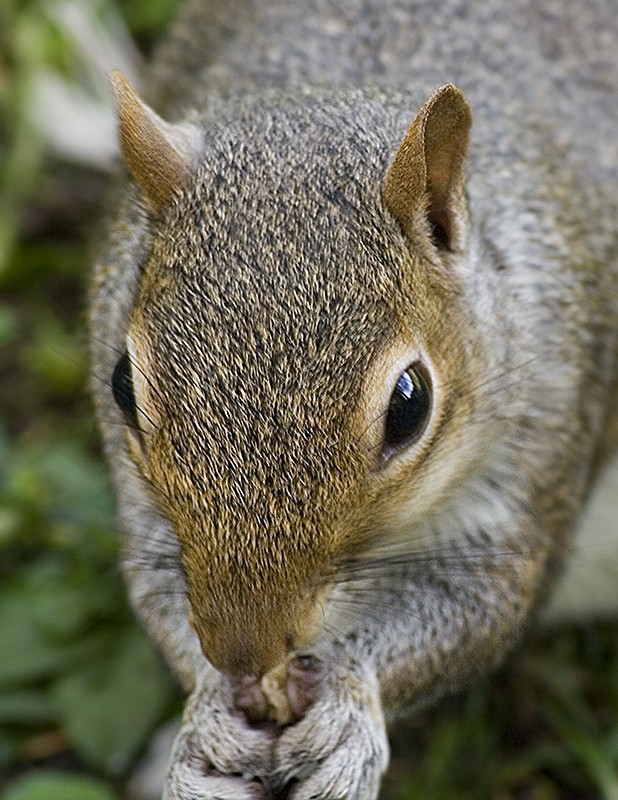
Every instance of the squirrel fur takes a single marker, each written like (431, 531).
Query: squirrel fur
(356, 360)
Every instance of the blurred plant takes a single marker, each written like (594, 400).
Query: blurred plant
(80, 684)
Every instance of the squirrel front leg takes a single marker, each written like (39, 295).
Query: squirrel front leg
(218, 754)
(339, 749)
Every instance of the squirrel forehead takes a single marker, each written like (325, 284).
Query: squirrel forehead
(284, 213)
(265, 256)
(285, 202)
(292, 161)
(277, 335)
(304, 301)
(326, 128)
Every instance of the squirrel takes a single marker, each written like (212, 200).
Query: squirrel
(355, 360)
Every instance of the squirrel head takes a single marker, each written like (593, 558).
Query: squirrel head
(294, 326)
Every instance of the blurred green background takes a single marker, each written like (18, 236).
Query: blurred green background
(81, 690)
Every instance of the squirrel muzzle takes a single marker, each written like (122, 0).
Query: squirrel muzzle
(252, 644)
(249, 614)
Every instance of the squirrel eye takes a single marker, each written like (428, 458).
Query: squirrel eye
(122, 389)
(408, 409)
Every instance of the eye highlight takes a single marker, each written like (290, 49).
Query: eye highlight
(408, 409)
(122, 389)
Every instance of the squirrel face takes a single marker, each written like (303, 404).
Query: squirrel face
(281, 401)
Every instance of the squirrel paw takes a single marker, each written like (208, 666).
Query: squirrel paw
(217, 754)
(184, 785)
(339, 748)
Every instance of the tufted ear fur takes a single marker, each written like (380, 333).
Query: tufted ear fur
(425, 183)
(160, 156)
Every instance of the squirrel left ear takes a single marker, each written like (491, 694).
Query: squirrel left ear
(424, 187)
(160, 156)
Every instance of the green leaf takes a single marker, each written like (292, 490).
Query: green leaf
(9, 325)
(77, 482)
(27, 706)
(64, 599)
(28, 652)
(111, 706)
(52, 785)
(8, 749)
(55, 356)
(588, 748)
(148, 14)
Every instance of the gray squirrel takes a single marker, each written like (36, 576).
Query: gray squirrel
(355, 359)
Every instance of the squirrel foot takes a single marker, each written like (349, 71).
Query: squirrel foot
(308, 730)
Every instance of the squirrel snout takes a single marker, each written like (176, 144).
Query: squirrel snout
(244, 650)
(250, 620)
(242, 654)
(248, 641)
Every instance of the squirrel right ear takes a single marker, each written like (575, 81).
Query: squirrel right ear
(160, 156)
(425, 183)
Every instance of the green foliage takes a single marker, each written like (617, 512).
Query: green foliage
(79, 681)
(49, 785)
(544, 729)
(73, 658)
(112, 705)
(146, 15)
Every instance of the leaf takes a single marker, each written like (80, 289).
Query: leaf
(8, 749)
(27, 706)
(110, 707)
(586, 745)
(52, 785)
(28, 652)
(64, 599)
(77, 482)
(8, 325)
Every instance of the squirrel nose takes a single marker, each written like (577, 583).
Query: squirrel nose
(239, 663)
(248, 627)
(242, 653)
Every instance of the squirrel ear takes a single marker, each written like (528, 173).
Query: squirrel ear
(160, 156)
(425, 182)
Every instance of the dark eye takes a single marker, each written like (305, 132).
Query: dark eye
(408, 409)
(122, 388)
